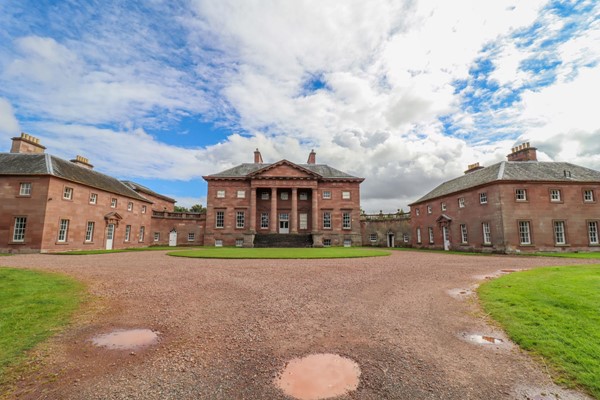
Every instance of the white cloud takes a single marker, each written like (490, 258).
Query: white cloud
(9, 126)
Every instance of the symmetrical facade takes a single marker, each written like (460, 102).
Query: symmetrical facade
(519, 205)
(282, 198)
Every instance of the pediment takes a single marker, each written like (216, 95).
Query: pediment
(284, 169)
(113, 217)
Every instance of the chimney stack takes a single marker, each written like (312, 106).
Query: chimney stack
(26, 144)
(83, 162)
(312, 157)
(473, 168)
(257, 157)
(523, 152)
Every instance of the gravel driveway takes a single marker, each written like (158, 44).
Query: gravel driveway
(228, 327)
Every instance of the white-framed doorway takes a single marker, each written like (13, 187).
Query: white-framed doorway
(284, 223)
(446, 233)
(390, 239)
(173, 238)
(110, 235)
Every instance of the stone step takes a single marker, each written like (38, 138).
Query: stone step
(283, 240)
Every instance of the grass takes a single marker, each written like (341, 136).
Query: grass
(86, 252)
(279, 253)
(594, 254)
(462, 253)
(554, 313)
(33, 306)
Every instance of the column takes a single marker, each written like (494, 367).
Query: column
(294, 216)
(252, 211)
(315, 210)
(273, 214)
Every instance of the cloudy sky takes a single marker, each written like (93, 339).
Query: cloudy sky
(403, 93)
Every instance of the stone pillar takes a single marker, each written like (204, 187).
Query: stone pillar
(252, 210)
(273, 214)
(294, 216)
(315, 211)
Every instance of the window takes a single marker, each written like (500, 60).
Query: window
(524, 232)
(554, 195)
(487, 235)
(443, 206)
(284, 195)
(156, 236)
(63, 230)
(240, 217)
(347, 242)
(521, 195)
(142, 232)
(89, 232)
(220, 194)
(346, 221)
(588, 196)
(483, 198)
(417, 213)
(264, 220)
(303, 195)
(25, 189)
(326, 220)
(326, 242)
(429, 210)
(218, 243)
(373, 237)
(418, 235)
(130, 206)
(19, 231)
(461, 202)
(93, 198)
(241, 194)
(113, 203)
(68, 193)
(239, 242)
(405, 237)
(345, 195)
(326, 194)
(220, 219)
(559, 232)
(191, 236)
(303, 221)
(143, 209)
(264, 195)
(430, 235)
(593, 232)
(463, 234)
(127, 233)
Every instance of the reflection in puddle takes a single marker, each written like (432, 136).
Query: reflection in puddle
(460, 294)
(484, 339)
(319, 376)
(126, 339)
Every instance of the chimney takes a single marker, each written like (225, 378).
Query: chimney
(257, 157)
(312, 157)
(523, 152)
(26, 144)
(473, 168)
(83, 162)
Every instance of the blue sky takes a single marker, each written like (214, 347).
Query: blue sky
(405, 94)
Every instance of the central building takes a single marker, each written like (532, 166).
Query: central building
(283, 204)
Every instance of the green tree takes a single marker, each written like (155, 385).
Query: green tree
(197, 208)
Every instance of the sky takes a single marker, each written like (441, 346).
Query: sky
(404, 94)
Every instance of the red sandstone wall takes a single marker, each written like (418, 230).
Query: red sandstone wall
(159, 204)
(163, 226)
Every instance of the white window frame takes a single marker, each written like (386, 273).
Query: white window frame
(19, 229)
(431, 235)
(157, 236)
(560, 234)
(555, 195)
(464, 234)
(241, 194)
(220, 194)
(89, 231)
(417, 212)
(218, 243)
(487, 233)
(521, 194)
(326, 219)
(593, 232)
(345, 195)
(127, 233)
(68, 193)
(429, 210)
(240, 219)
(142, 233)
(405, 237)
(483, 198)
(130, 206)
(346, 220)
(461, 202)
(284, 195)
(326, 194)
(347, 242)
(373, 237)
(63, 231)
(303, 221)
(25, 189)
(303, 196)
(443, 206)
(143, 209)
(220, 219)
(264, 195)
(264, 220)
(327, 242)
(588, 196)
(191, 236)
(524, 232)
(419, 235)
(239, 242)
(113, 202)
(93, 198)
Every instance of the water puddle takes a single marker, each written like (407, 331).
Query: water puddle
(319, 376)
(496, 274)
(460, 294)
(483, 339)
(126, 339)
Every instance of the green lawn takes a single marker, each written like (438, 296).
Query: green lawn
(462, 253)
(595, 254)
(236, 252)
(152, 248)
(33, 306)
(555, 313)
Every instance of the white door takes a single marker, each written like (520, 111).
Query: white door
(446, 238)
(110, 234)
(390, 240)
(284, 223)
(173, 238)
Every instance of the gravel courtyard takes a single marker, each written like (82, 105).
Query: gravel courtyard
(228, 327)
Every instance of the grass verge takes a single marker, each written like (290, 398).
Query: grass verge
(280, 253)
(553, 312)
(86, 252)
(33, 306)
(592, 255)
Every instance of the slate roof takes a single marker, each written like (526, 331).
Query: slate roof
(515, 171)
(144, 189)
(244, 170)
(46, 164)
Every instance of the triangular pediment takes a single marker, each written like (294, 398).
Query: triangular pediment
(284, 169)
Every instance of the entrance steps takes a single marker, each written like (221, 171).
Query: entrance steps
(283, 240)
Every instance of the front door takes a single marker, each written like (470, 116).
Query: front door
(110, 234)
(173, 238)
(284, 223)
(446, 238)
(390, 240)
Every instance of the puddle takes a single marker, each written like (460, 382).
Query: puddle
(126, 339)
(319, 376)
(460, 294)
(496, 274)
(483, 339)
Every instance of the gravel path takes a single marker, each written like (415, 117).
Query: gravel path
(227, 327)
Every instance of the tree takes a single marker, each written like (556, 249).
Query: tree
(197, 208)
(181, 209)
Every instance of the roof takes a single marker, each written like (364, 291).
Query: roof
(515, 171)
(141, 188)
(46, 164)
(243, 170)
